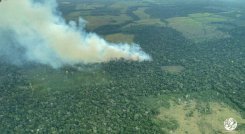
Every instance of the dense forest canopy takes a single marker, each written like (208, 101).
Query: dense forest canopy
(196, 76)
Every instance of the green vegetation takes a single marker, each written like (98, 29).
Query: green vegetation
(195, 81)
(173, 69)
(140, 12)
(198, 27)
(120, 38)
(191, 115)
(97, 21)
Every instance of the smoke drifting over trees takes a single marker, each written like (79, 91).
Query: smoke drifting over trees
(32, 31)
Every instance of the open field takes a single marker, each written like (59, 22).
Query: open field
(194, 81)
(198, 27)
(197, 117)
(186, 115)
(174, 69)
(46, 79)
(97, 21)
(120, 38)
(140, 12)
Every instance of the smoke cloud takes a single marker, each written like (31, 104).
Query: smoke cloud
(33, 31)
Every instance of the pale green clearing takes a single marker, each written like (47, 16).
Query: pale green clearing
(124, 5)
(47, 79)
(198, 27)
(120, 38)
(147, 22)
(88, 6)
(97, 21)
(145, 19)
(178, 114)
(140, 12)
(195, 117)
(65, 3)
(175, 69)
(154, 22)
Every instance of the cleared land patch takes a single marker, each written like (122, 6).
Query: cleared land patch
(145, 19)
(47, 79)
(120, 38)
(198, 27)
(195, 117)
(140, 12)
(97, 21)
(124, 5)
(173, 69)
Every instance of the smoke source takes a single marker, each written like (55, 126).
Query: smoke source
(33, 31)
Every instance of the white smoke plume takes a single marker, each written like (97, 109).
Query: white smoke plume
(32, 31)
